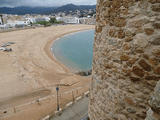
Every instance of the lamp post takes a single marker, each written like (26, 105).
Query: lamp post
(57, 89)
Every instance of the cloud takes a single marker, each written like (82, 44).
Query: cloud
(14, 3)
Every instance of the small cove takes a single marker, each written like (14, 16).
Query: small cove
(75, 50)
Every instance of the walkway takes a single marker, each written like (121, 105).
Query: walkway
(77, 111)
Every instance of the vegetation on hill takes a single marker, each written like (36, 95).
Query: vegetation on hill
(22, 10)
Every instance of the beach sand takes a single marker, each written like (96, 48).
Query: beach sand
(30, 72)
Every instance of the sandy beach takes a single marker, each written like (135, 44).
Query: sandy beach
(30, 73)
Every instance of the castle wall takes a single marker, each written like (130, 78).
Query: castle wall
(126, 65)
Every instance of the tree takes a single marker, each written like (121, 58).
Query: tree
(53, 20)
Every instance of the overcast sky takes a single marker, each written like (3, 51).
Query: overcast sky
(14, 3)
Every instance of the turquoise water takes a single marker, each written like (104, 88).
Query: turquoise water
(75, 50)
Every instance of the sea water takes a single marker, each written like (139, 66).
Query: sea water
(75, 50)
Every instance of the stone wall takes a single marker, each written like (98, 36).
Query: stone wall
(126, 65)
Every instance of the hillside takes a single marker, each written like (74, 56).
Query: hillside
(72, 7)
(44, 10)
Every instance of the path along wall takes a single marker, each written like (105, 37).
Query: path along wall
(126, 65)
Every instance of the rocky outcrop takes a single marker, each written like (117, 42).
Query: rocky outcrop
(84, 73)
(126, 65)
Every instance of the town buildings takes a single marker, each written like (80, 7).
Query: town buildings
(19, 21)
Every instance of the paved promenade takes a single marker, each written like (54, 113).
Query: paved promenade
(77, 111)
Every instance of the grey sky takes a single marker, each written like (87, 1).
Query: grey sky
(13, 3)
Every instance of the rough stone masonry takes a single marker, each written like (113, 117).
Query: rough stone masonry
(126, 65)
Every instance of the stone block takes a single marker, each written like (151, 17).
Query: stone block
(149, 31)
(137, 71)
(145, 65)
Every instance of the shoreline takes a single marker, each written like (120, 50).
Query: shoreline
(51, 54)
(31, 68)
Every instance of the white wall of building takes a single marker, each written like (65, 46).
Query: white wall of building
(31, 20)
(17, 23)
(42, 19)
(0, 21)
(69, 20)
(3, 26)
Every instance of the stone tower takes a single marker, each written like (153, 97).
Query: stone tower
(126, 65)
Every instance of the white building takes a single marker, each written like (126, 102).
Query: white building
(3, 26)
(17, 23)
(31, 20)
(69, 20)
(42, 19)
(0, 22)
